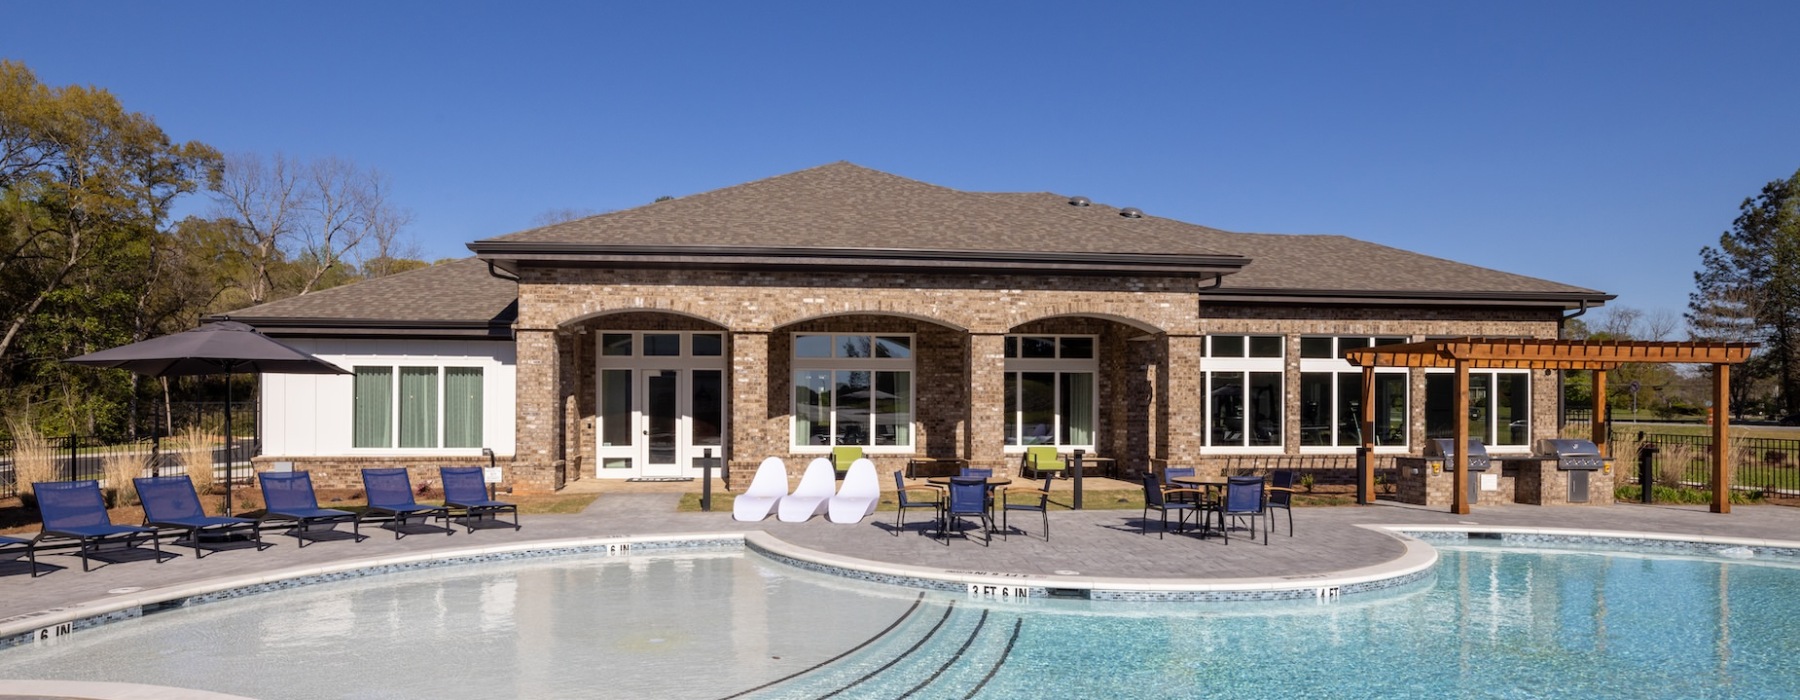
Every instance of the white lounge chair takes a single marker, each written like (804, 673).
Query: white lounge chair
(810, 497)
(767, 488)
(857, 497)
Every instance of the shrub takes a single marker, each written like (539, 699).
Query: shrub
(34, 458)
(195, 446)
(120, 469)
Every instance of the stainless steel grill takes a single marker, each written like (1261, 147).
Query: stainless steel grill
(1577, 457)
(1442, 448)
(1572, 454)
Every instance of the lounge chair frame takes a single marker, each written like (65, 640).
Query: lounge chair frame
(171, 503)
(289, 497)
(465, 490)
(76, 510)
(26, 547)
(390, 495)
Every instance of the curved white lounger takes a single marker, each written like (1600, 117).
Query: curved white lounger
(856, 499)
(811, 495)
(766, 489)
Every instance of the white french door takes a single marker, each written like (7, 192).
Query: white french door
(659, 422)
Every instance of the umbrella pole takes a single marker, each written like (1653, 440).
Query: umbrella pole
(228, 443)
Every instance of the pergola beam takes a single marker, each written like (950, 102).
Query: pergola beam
(1463, 354)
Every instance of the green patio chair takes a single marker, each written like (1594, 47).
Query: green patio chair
(1042, 459)
(843, 456)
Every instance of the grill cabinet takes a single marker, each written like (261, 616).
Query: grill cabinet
(1443, 448)
(1578, 458)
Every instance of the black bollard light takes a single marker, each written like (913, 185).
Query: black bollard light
(1077, 467)
(706, 480)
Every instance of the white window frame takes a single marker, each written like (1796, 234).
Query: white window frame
(1336, 365)
(1493, 404)
(834, 364)
(1242, 365)
(637, 363)
(394, 404)
(1060, 366)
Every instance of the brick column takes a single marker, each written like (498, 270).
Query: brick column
(539, 420)
(987, 402)
(756, 431)
(1183, 397)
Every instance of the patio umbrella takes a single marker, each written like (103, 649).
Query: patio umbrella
(222, 347)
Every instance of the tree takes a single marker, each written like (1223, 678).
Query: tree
(80, 178)
(301, 226)
(1748, 288)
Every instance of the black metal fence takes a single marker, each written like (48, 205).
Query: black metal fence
(78, 458)
(1769, 465)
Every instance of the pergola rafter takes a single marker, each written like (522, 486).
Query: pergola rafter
(1599, 356)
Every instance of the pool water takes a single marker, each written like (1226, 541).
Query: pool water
(1494, 622)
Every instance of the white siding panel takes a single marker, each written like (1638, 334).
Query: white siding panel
(306, 415)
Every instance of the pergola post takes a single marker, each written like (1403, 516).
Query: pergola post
(1459, 498)
(1721, 448)
(1600, 428)
(1365, 476)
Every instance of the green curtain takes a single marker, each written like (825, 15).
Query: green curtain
(373, 407)
(418, 406)
(462, 407)
(1078, 408)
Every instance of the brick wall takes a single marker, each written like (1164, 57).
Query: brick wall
(1150, 336)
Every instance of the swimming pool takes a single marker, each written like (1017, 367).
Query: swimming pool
(1490, 622)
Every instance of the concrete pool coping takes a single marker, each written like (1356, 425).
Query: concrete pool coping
(1415, 563)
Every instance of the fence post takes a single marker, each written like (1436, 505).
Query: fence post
(73, 468)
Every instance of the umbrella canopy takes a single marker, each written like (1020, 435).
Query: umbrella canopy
(222, 347)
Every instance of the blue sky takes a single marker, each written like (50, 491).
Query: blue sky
(1598, 144)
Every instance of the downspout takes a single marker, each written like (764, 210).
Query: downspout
(1562, 374)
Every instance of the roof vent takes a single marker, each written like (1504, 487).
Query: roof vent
(1080, 201)
(1131, 213)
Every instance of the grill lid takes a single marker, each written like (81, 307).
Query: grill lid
(1567, 447)
(1444, 447)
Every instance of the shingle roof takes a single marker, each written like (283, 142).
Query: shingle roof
(842, 213)
(1323, 264)
(843, 205)
(455, 298)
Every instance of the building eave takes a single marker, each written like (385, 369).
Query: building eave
(508, 256)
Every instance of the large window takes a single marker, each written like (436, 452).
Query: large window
(424, 407)
(1050, 390)
(1499, 406)
(1243, 390)
(852, 389)
(1331, 395)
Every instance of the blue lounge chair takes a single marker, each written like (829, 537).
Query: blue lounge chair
(289, 496)
(465, 490)
(75, 510)
(1244, 499)
(170, 502)
(390, 494)
(12, 547)
(968, 497)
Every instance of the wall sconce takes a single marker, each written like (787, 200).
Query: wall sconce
(1436, 467)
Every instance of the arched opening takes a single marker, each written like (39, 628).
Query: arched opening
(646, 393)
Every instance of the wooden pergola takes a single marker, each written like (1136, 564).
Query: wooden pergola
(1464, 354)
